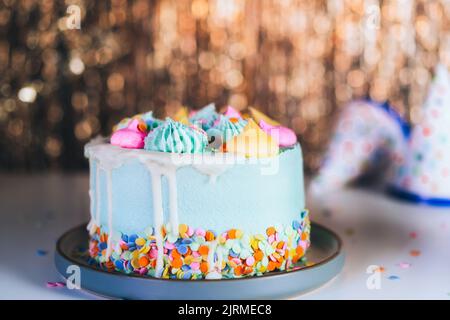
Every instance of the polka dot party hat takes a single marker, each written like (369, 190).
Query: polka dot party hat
(424, 175)
(368, 138)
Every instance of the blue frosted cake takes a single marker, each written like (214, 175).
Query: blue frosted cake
(202, 196)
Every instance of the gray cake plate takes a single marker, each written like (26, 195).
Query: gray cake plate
(325, 252)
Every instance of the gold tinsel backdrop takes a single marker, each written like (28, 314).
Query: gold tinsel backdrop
(297, 60)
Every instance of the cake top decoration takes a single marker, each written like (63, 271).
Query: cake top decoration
(205, 116)
(258, 116)
(252, 142)
(228, 127)
(175, 137)
(131, 137)
(231, 112)
(146, 117)
(285, 136)
(205, 130)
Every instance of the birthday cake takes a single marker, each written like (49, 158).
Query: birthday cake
(205, 195)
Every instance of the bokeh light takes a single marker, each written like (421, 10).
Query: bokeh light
(299, 61)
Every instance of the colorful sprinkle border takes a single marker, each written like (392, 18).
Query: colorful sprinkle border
(186, 251)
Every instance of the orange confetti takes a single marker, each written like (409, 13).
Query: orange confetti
(270, 231)
(143, 261)
(271, 266)
(238, 270)
(232, 234)
(414, 253)
(177, 263)
(258, 255)
(248, 270)
(204, 267)
(209, 236)
(203, 250)
(380, 269)
(104, 238)
(175, 253)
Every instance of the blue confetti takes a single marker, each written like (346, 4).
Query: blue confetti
(393, 277)
(132, 238)
(186, 241)
(233, 254)
(182, 249)
(118, 264)
(185, 267)
(41, 252)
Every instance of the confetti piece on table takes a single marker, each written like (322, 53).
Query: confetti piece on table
(55, 284)
(350, 231)
(380, 269)
(404, 265)
(413, 235)
(393, 277)
(414, 253)
(41, 252)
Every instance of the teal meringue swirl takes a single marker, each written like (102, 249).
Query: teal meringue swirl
(175, 137)
(228, 128)
(205, 116)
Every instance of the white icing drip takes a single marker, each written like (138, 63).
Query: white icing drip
(95, 212)
(158, 213)
(213, 167)
(209, 163)
(91, 223)
(212, 250)
(110, 213)
(219, 258)
(173, 198)
(97, 197)
(214, 275)
(158, 164)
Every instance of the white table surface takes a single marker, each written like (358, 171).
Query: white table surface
(376, 230)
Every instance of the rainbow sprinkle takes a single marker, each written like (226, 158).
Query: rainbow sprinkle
(186, 252)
